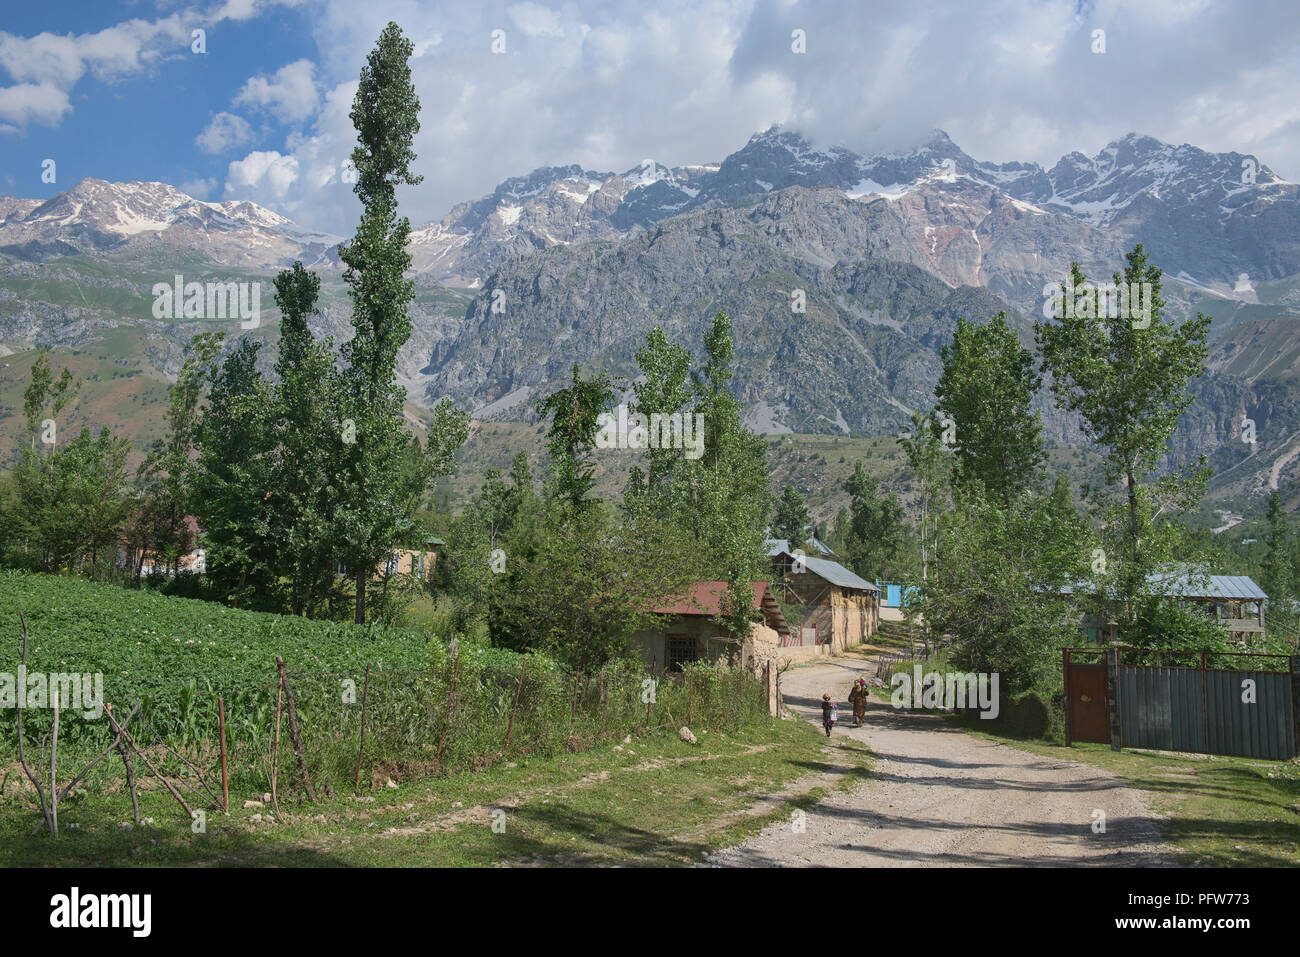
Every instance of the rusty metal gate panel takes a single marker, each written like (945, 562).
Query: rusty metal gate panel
(1263, 729)
(1087, 702)
(1161, 708)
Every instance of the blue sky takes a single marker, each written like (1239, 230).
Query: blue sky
(142, 125)
(113, 91)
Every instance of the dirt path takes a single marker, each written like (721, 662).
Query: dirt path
(940, 797)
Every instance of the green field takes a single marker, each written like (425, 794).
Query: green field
(147, 644)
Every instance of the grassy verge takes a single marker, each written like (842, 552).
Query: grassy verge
(655, 801)
(1221, 812)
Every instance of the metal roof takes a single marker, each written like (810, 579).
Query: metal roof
(1193, 585)
(833, 572)
(775, 546)
(1185, 585)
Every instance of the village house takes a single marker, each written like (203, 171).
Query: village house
(416, 562)
(839, 608)
(688, 633)
(1234, 602)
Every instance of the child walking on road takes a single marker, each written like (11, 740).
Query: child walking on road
(830, 714)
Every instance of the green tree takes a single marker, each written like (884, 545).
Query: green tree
(307, 446)
(790, 517)
(72, 502)
(987, 386)
(1127, 379)
(876, 534)
(1276, 571)
(932, 467)
(726, 498)
(378, 496)
(234, 480)
(585, 587)
(44, 393)
(996, 589)
(574, 413)
(663, 388)
(167, 474)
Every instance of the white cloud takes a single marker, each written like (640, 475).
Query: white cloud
(534, 20)
(112, 53)
(46, 67)
(263, 176)
(199, 188)
(428, 43)
(606, 84)
(226, 131)
(289, 94)
(25, 103)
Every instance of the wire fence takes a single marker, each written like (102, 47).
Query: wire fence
(308, 733)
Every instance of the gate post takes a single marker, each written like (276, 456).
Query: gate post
(1112, 697)
(1295, 705)
(1065, 680)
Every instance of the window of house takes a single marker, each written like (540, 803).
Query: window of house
(681, 650)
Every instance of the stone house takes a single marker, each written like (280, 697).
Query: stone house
(688, 633)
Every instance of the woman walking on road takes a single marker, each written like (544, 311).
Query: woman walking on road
(858, 698)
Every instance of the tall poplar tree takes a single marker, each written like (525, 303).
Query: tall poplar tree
(380, 493)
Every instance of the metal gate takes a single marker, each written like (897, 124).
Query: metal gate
(1087, 696)
(1184, 706)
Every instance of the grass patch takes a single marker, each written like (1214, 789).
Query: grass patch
(656, 801)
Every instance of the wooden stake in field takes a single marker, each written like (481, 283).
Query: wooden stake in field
(225, 777)
(365, 692)
(275, 746)
(126, 757)
(54, 753)
(294, 735)
(690, 692)
(22, 756)
(518, 690)
(144, 759)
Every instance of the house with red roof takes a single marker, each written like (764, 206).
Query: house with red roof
(689, 630)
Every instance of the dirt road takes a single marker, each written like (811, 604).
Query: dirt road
(940, 797)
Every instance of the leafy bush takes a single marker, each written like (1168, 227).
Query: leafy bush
(1033, 714)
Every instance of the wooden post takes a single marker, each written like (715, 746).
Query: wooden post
(690, 692)
(275, 746)
(446, 711)
(126, 760)
(518, 691)
(54, 755)
(144, 758)
(225, 777)
(365, 693)
(294, 735)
